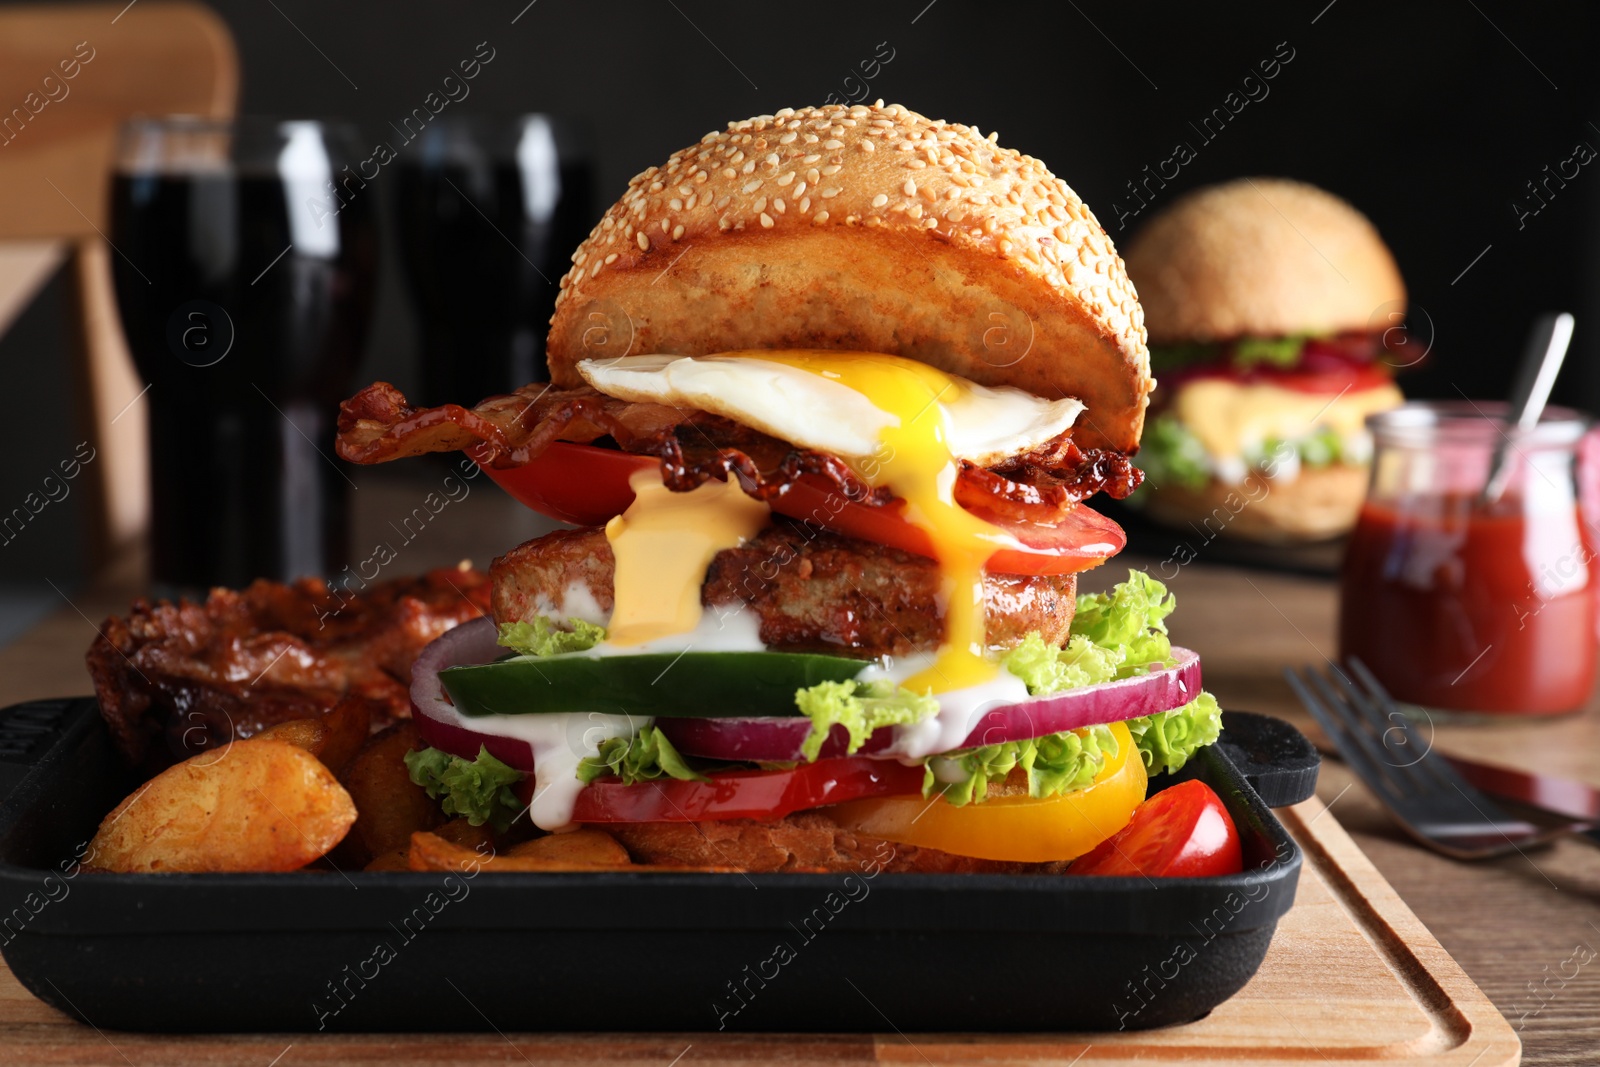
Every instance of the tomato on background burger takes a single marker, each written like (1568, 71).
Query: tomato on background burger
(825, 591)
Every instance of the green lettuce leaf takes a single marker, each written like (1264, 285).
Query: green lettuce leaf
(1047, 669)
(1167, 739)
(860, 707)
(1172, 455)
(1129, 621)
(1054, 764)
(478, 789)
(1172, 356)
(544, 637)
(1273, 351)
(645, 756)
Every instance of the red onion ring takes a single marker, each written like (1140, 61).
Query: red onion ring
(778, 739)
(438, 721)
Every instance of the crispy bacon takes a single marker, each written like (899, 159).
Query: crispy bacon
(378, 424)
(174, 678)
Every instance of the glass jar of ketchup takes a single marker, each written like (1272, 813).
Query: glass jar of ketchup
(1461, 602)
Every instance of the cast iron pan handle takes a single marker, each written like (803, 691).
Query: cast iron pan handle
(27, 732)
(1275, 758)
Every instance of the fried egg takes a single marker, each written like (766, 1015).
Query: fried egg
(840, 402)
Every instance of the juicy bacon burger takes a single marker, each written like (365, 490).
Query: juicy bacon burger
(829, 390)
(1268, 303)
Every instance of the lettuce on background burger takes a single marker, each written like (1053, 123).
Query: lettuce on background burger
(1268, 304)
(822, 591)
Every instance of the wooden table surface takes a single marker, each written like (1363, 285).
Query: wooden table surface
(1521, 927)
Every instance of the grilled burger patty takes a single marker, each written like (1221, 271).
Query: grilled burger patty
(811, 589)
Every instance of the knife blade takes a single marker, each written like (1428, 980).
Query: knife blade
(1566, 797)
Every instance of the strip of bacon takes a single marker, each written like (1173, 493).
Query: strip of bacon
(378, 424)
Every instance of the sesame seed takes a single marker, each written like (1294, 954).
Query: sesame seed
(879, 200)
(612, 258)
(760, 205)
(675, 204)
(811, 159)
(766, 221)
(778, 205)
(800, 189)
(644, 242)
(785, 179)
(865, 146)
(788, 138)
(829, 194)
(832, 168)
(821, 217)
(805, 205)
(677, 231)
(750, 186)
(909, 188)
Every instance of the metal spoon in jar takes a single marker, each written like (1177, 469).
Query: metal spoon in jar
(1541, 362)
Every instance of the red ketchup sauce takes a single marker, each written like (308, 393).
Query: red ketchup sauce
(1458, 605)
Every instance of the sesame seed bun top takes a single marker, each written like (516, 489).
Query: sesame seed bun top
(1261, 257)
(864, 228)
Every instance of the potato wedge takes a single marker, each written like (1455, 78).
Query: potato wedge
(349, 724)
(389, 806)
(579, 846)
(430, 852)
(261, 804)
(391, 861)
(309, 734)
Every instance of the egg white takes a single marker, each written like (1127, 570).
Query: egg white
(981, 423)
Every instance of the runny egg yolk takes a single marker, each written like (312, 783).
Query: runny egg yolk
(914, 461)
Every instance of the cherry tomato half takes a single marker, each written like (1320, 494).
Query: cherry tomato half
(1184, 831)
(1017, 828)
(741, 794)
(587, 485)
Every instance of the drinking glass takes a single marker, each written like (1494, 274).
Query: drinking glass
(490, 211)
(244, 265)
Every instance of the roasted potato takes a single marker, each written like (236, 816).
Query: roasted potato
(462, 832)
(260, 804)
(389, 807)
(579, 850)
(334, 738)
(309, 734)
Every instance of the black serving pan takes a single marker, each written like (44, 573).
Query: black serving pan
(407, 951)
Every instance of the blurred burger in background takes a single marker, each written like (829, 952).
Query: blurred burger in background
(1267, 303)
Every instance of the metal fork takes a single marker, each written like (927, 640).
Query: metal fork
(1426, 796)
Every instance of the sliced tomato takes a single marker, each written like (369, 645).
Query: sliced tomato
(1184, 831)
(587, 485)
(1016, 828)
(1329, 377)
(741, 794)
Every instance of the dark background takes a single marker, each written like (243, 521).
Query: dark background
(1429, 117)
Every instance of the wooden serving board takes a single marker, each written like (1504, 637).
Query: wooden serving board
(1352, 976)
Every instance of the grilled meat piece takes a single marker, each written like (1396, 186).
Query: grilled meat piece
(811, 589)
(188, 676)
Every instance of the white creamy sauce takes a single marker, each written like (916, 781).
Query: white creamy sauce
(559, 743)
(722, 627)
(959, 709)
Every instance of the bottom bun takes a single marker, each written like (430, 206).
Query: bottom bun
(1321, 503)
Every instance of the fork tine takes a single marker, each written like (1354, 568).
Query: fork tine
(1332, 724)
(1352, 719)
(1439, 769)
(1379, 720)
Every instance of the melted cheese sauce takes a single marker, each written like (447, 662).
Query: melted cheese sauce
(1232, 419)
(663, 544)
